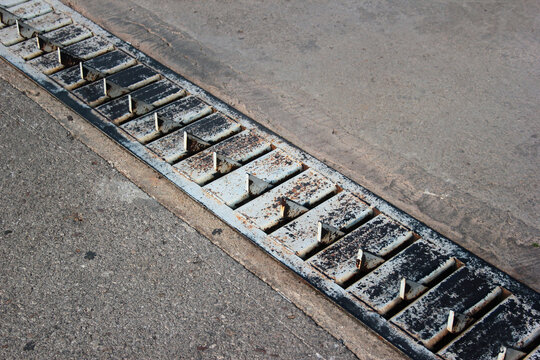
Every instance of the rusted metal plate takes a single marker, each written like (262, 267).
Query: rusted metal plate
(84, 50)
(512, 325)
(140, 102)
(69, 78)
(30, 9)
(392, 272)
(223, 157)
(322, 225)
(27, 49)
(93, 94)
(377, 238)
(8, 3)
(464, 293)
(380, 289)
(68, 35)
(272, 168)
(110, 63)
(48, 22)
(117, 110)
(305, 189)
(133, 78)
(100, 66)
(159, 93)
(89, 48)
(10, 35)
(210, 129)
(126, 80)
(167, 119)
(47, 64)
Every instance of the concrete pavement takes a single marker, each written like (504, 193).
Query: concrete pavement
(432, 105)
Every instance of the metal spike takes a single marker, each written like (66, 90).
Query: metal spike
(65, 58)
(130, 100)
(215, 160)
(326, 234)
(193, 144)
(409, 289)
(87, 73)
(157, 121)
(7, 17)
(254, 185)
(367, 261)
(25, 31)
(223, 164)
(138, 107)
(43, 44)
(507, 353)
(289, 209)
(360, 259)
(18, 28)
(457, 322)
(82, 71)
(186, 142)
